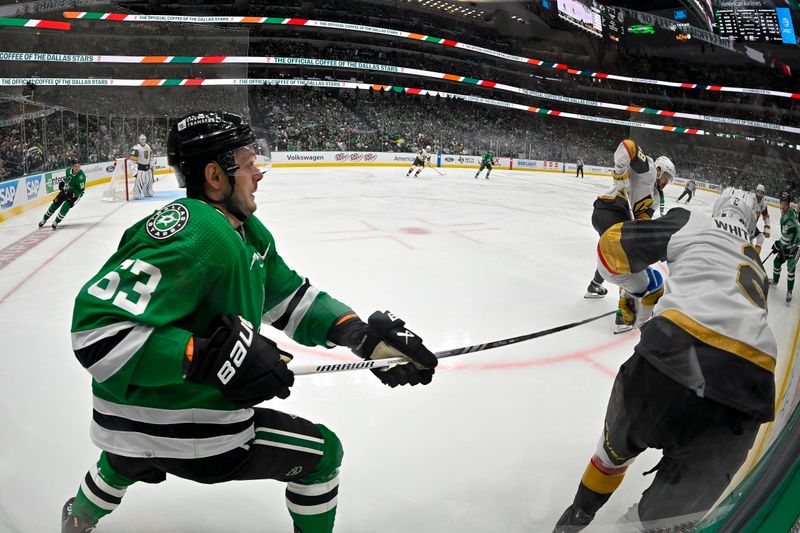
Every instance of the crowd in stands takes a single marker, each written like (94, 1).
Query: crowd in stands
(62, 136)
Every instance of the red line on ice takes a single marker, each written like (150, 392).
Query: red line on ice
(49, 259)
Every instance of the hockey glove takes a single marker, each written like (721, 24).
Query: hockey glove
(647, 300)
(622, 181)
(245, 366)
(61, 185)
(766, 231)
(386, 336)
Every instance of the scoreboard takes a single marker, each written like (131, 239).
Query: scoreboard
(749, 24)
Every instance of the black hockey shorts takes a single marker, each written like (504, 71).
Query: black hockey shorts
(66, 195)
(254, 460)
(418, 163)
(485, 165)
(606, 213)
(704, 442)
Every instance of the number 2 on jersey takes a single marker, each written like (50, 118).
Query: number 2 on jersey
(107, 286)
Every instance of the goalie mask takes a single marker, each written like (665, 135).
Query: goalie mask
(212, 137)
(737, 204)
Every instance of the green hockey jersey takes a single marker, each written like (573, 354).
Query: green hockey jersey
(790, 230)
(488, 157)
(171, 274)
(76, 182)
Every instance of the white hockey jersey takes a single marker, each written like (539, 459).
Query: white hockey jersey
(423, 155)
(762, 208)
(640, 187)
(709, 331)
(141, 154)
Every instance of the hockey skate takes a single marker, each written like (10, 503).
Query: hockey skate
(54, 226)
(574, 519)
(73, 524)
(595, 291)
(626, 314)
(619, 324)
(788, 298)
(41, 223)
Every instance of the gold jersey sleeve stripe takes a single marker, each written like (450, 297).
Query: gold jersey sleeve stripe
(717, 340)
(600, 482)
(630, 146)
(610, 251)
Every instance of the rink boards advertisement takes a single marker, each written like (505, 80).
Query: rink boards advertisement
(324, 159)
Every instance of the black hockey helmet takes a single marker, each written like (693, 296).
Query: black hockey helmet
(200, 138)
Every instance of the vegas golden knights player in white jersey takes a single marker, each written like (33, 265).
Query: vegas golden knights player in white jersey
(142, 154)
(638, 181)
(701, 379)
(761, 211)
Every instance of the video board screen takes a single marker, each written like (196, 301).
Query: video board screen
(749, 24)
(586, 17)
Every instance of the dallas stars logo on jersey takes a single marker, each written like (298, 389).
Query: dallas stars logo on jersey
(167, 221)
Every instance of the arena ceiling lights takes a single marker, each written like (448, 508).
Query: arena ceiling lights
(450, 8)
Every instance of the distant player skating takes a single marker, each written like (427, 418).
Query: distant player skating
(688, 190)
(579, 167)
(761, 211)
(70, 191)
(486, 162)
(423, 157)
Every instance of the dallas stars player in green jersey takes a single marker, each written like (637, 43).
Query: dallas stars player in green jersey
(168, 329)
(786, 249)
(486, 162)
(70, 191)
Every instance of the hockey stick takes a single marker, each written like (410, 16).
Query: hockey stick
(303, 370)
(768, 256)
(435, 169)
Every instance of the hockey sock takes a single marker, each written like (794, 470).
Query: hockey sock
(790, 281)
(100, 492)
(50, 211)
(313, 506)
(62, 213)
(312, 499)
(597, 278)
(597, 485)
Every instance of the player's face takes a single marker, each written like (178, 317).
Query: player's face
(76, 167)
(247, 177)
(759, 195)
(784, 206)
(663, 179)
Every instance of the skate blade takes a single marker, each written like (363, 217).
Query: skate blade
(623, 329)
(593, 296)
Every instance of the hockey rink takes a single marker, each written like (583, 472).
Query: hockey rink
(497, 443)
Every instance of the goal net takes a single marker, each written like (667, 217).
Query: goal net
(121, 187)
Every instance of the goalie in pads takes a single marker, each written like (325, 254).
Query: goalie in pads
(142, 154)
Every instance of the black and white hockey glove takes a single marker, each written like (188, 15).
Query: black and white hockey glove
(245, 366)
(386, 336)
(61, 185)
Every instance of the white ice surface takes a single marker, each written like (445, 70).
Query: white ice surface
(497, 443)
